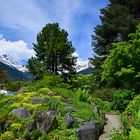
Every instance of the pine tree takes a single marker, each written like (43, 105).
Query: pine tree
(117, 21)
(53, 52)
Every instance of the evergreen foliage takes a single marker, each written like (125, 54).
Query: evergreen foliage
(53, 52)
(118, 20)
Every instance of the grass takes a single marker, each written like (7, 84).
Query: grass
(85, 112)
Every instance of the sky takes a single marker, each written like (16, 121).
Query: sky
(21, 20)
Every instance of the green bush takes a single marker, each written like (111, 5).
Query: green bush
(36, 134)
(122, 98)
(49, 81)
(104, 106)
(131, 116)
(134, 134)
(8, 135)
(121, 67)
(14, 85)
(83, 82)
(54, 103)
(115, 135)
(82, 96)
(106, 94)
(66, 93)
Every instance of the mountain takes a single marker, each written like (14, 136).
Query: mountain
(8, 60)
(84, 67)
(86, 71)
(13, 68)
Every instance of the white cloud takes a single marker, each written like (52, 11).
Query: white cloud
(75, 54)
(16, 49)
(79, 60)
(22, 14)
(29, 16)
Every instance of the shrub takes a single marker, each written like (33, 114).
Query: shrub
(122, 98)
(49, 81)
(134, 134)
(14, 85)
(54, 103)
(131, 116)
(36, 134)
(106, 94)
(83, 82)
(115, 135)
(8, 135)
(66, 93)
(121, 67)
(82, 96)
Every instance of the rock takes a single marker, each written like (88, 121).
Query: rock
(89, 131)
(69, 120)
(21, 112)
(46, 121)
(22, 89)
(70, 108)
(66, 101)
(52, 113)
(38, 100)
(6, 93)
(52, 94)
(96, 110)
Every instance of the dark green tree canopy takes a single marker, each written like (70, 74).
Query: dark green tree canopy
(117, 22)
(54, 52)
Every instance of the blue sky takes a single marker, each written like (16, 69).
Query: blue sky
(21, 20)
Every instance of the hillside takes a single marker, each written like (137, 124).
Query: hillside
(45, 114)
(86, 71)
(14, 73)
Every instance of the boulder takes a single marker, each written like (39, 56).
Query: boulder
(38, 100)
(89, 131)
(21, 112)
(67, 101)
(6, 93)
(69, 120)
(46, 121)
(70, 108)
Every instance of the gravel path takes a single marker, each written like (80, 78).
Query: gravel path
(113, 121)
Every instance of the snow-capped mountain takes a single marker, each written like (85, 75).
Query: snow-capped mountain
(81, 65)
(8, 60)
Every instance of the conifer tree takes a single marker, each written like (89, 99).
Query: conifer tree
(118, 20)
(54, 52)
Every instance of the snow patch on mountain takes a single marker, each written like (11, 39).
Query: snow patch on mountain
(8, 60)
(82, 64)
